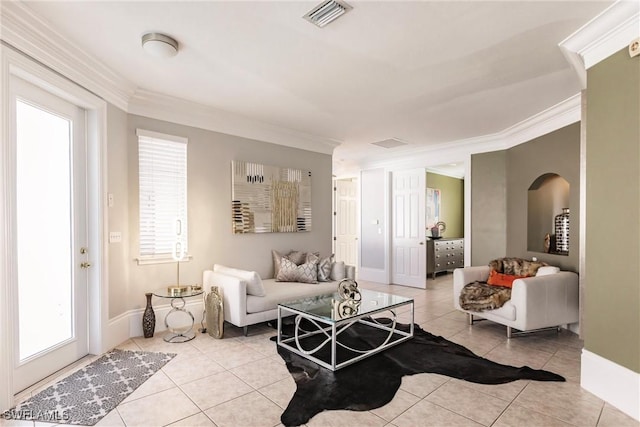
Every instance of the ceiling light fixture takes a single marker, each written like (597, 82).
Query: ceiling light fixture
(326, 12)
(159, 45)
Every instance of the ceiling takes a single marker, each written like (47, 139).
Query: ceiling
(424, 73)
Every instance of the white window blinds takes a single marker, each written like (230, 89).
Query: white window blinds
(162, 163)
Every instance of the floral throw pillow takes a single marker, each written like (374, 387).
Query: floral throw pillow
(304, 273)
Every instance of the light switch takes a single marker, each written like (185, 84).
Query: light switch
(115, 237)
(110, 200)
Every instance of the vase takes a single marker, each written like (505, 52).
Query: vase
(562, 231)
(148, 318)
(215, 312)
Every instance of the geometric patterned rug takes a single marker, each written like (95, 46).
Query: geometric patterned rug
(88, 394)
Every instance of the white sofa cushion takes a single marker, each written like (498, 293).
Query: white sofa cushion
(547, 269)
(279, 292)
(253, 279)
(507, 311)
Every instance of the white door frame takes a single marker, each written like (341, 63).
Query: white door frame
(14, 63)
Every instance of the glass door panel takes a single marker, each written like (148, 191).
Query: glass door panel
(43, 155)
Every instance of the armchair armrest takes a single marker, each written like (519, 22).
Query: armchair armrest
(464, 276)
(234, 295)
(546, 300)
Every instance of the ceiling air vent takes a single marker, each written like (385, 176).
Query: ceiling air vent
(326, 12)
(390, 143)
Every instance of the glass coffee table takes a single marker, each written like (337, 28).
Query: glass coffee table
(323, 318)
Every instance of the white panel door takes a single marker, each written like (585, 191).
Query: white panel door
(346, 228)
(49, 284)
(408, 249)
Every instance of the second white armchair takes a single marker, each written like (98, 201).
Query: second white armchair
(536, 302)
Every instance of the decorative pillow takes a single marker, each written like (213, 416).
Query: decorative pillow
(305, 273)
(337, 270)
(254, 282)
(298, 257)
(547, 269)
(501, 279)
(350, 272)
(324, 268)
(277, 260)
(517, 266)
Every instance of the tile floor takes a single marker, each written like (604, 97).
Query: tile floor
(241, 381)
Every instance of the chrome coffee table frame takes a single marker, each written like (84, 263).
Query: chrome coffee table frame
(332, 326)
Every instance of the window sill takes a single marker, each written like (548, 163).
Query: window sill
(161, 260)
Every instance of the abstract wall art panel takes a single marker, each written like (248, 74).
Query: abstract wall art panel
(433, 206)
(270, 199)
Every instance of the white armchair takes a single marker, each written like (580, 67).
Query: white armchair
(536, 302)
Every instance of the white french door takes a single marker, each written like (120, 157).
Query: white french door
(408, 249)
(346, 228)
(49, 226)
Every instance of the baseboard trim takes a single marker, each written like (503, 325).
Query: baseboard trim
(615, 384)
(117, 331)
(129, 324)
(373, 275)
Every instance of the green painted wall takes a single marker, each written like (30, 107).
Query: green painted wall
(452, 203)
(612, 296)
(488, 207)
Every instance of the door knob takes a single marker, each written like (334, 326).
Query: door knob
(422, 243)
(85, 265)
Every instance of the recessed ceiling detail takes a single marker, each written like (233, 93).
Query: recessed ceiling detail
(326, 12)
(390, 143)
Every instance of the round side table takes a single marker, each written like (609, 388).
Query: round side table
(178, 304)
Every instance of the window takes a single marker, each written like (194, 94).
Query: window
(162, 161)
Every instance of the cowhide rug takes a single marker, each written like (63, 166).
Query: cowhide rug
(374, 381)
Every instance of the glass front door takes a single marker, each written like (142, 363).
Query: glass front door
(50, 319)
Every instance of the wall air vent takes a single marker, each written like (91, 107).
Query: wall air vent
(326, 12)
(390, 143)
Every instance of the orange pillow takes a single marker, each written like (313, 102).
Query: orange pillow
(500, 279)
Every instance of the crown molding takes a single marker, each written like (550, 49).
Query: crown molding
(558, 116)
(180, 111)
(434, 169)
(604, 35)
(33, 36)
(553, 118)
(26, 32)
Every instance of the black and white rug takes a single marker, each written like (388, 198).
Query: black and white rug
(373, 382)
(88, 394)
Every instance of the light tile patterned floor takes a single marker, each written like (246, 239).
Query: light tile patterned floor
(241, 381)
